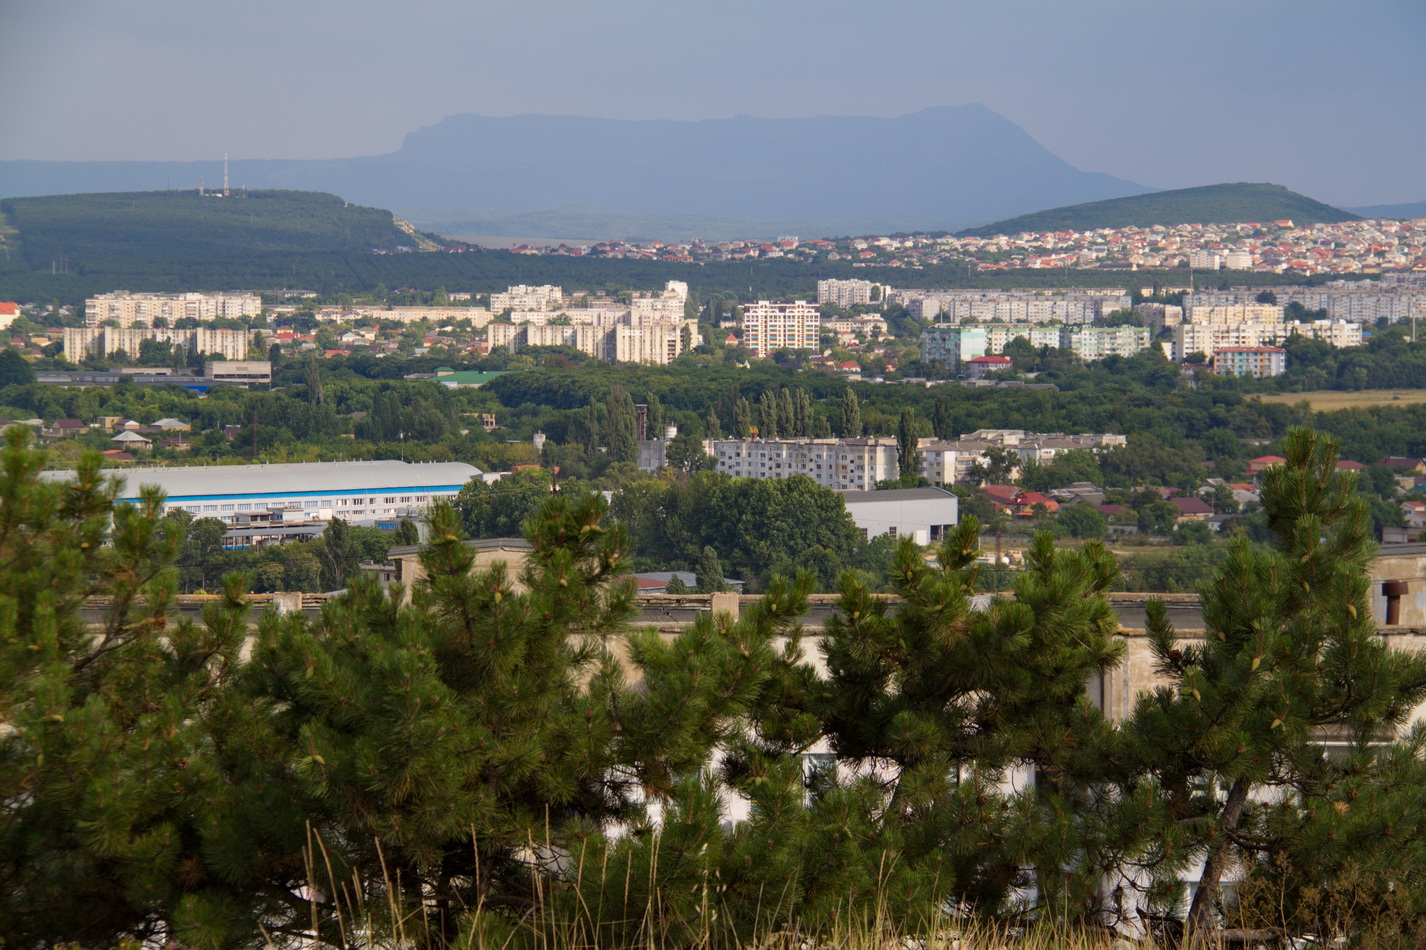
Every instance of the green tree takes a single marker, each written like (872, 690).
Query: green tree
(499, 509)
(1158, 517)
(1291, 651)
(998, 468)
(802, 414)
(102, 760)
(742, 418)
(15, 370)
(464, 743)
(1081, 520)
(620, 426)
(406, 533)
(685, 454)
(851, 416)
(709, 572)
(767, 415)
(340, 556)
(945, 697)
(713, 426)
(653, 417)
(906, 444)
(786, 414)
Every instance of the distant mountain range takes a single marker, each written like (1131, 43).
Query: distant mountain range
(937, 169)
(1415, 209)
(1210, 204)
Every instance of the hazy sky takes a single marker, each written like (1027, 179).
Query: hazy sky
(1327, 97)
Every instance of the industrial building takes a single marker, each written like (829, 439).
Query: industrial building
(247, 497)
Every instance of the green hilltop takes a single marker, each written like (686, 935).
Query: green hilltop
(1210, 204)
(78, 230)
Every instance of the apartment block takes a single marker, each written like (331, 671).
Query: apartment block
(1229, 314)
(840, 464)
(125, 309)
(1013, 306)
(1358, 302)
(1191, 338)
(81, 343)
(849, 293)
(776, 325)
(621, 338)
(944, 463)
(524, 297)
(1095, 343)
(1258, 362)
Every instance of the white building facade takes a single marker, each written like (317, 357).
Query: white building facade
(769, 325)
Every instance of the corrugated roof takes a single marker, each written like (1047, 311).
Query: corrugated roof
(290, 478)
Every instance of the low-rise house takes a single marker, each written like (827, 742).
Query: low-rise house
(1259, 465)
(1191, 509)
(131, 440)
(63, 428)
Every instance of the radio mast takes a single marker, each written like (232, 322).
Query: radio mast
(225, 174)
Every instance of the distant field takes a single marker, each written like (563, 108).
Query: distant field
(1328, 400)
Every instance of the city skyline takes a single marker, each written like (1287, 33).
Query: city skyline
(1321, 97)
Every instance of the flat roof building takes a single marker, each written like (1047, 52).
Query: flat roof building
(352, 491)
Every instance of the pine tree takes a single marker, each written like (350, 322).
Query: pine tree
(466, 741)
(103, 769)
(1290, 652)
(927, 708)
(851, 416)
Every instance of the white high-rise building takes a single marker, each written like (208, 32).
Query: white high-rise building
(769, 326)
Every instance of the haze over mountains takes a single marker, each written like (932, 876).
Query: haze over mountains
(574, 177)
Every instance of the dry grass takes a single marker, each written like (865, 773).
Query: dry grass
(1330, 400)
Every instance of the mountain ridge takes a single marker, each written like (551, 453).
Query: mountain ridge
(939, 168)
(1227, 203)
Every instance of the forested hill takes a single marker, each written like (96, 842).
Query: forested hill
(1210, 204)
(75, 230)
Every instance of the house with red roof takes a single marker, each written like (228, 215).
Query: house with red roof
(977, 368)
(1019, 504)
(1259, 465)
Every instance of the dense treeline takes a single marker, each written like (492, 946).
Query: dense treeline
(185, 227)
(499, 760)
(483, 272)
